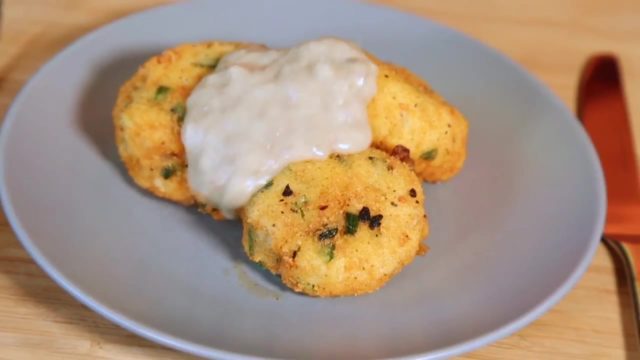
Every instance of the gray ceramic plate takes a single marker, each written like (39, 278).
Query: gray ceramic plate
(510, 235)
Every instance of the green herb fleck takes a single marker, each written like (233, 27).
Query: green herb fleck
(180, 111)
(168, 171)
(299, 205)
(430, 154)
(210, 64)
(329, 251)
(251, 241)
(329, 233)
(161, 93)
(267, 185)
(302, 201)
(352, 221)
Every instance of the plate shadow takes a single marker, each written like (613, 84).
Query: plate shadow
(96, 124)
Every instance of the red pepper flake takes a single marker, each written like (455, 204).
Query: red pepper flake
(323, 207)
(375, 221)
(287, 191)
(402, 153)
(413, 193)
(364, 215)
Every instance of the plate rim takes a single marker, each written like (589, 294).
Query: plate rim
(160, 337)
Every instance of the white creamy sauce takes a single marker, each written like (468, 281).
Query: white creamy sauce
(261, 110)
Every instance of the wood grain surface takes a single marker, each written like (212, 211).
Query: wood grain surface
(550, 38)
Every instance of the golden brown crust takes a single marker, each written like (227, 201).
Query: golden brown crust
(405, 111)
(284, 223)
(148, 115)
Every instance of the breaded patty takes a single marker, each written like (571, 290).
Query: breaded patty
(148, 116)
(151, 106)
(405, 111)
(337, 227)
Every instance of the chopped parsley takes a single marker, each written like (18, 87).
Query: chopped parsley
(352, 221)
(267, 185)
(299, 205)
(329, 251)
(251, 241)
(161, 93)
(430, 154)
(210, 64)
(168, 171)
(179, 110)
(329, 233)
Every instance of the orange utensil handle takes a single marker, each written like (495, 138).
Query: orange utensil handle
(601, 107)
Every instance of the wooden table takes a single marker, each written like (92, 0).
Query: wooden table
(550, 38)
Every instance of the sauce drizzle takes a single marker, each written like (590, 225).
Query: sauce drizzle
(262, 109)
